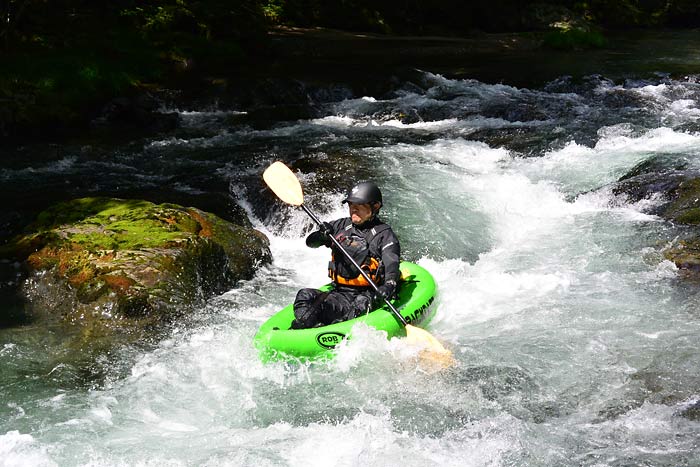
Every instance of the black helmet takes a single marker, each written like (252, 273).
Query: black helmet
(364, 193)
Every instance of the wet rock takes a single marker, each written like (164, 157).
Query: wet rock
(653, 177)
(686, 255)
(276, 91)
(217, 200)
(692, 411)
(118, 263)
(524, 141)
(654, 168)
(645, 186)
(140, 112)
(685, 207)
(622, 98)
(670, 382)
(330, 171)
(497, 383)
(680, 191)
(514, 111)
(268, 114)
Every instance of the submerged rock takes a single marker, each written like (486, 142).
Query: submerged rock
(686, 255)
(123, 262)
(691, 411)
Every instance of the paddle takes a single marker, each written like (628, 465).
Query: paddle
(286, 186)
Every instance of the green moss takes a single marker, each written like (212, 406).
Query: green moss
(91, 290)
(114, 224)
(571, 39)
(103, 224)
(689, 216)
(691, 187)
(686, 207)
(76, 266)
(82, 210)
(239, 243)
(59, 84)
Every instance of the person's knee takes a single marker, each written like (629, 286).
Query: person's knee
(304, 310)
(306, 295)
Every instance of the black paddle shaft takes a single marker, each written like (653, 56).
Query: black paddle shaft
(354, 263)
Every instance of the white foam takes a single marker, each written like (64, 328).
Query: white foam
(675, 103)
(370, 439)
(578, 168)
(64, 165)
(21, 450)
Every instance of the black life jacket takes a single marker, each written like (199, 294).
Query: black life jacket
(357, 244)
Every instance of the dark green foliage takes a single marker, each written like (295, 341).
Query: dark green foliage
(63, 59)
(65, 82)
(572, 39)
(683, 13)
(79, 23)
(212, 19)
(455, 17)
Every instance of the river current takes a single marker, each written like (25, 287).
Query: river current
(576, 342)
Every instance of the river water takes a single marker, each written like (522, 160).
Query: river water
(576, 343)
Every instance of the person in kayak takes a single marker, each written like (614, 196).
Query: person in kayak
(373, 246)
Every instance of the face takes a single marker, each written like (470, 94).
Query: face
(360, 213)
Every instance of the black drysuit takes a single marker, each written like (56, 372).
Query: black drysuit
(351, 296)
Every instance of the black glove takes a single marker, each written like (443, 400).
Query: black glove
(321, 236)
(386, 290)
(325, 228)
(361, 305)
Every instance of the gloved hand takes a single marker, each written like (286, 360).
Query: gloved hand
(386, 290)
(325, 228)
(321, 236)
(361, 305)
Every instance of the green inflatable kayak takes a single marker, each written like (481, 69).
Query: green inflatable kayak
(415, 301)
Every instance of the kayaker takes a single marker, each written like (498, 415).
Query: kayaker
(371, 243)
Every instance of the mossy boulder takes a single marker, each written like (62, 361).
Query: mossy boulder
(122, 262)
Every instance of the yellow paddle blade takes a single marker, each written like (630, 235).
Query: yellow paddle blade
(284, 183)
(434, 352)
(423, 338)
